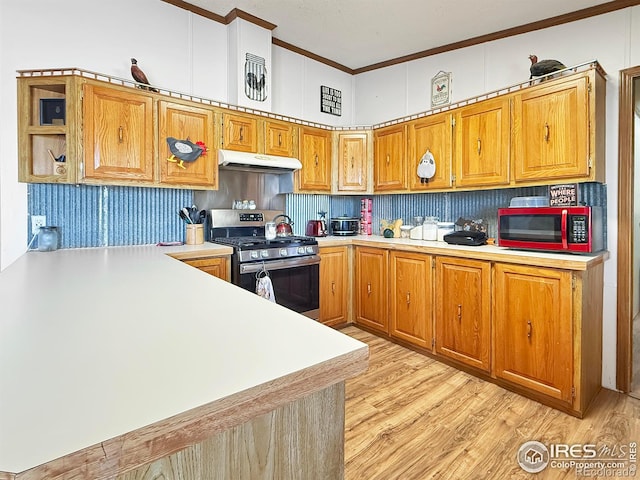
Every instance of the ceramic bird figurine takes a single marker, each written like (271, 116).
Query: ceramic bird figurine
(139, 76)
(543, 67)
(185, 151)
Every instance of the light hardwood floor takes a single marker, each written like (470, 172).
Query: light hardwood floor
(410, 417)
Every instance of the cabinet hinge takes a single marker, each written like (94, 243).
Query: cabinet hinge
(453, 179)
(433, 262)
(573, 392)
(589, 87)
(433, 343)
(573, 281)
(453, 121)
(590, 162)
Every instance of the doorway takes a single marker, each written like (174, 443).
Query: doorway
(628, 298)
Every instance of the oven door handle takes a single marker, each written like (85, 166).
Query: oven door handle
(279, 264)
(563, 229)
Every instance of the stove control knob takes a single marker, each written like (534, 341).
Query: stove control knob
(283, 252)
(255, 254)
(264, 253)
(301, 250)
(309, 249)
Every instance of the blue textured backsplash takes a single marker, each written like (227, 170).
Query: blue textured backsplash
(448, 206)
(100, 216)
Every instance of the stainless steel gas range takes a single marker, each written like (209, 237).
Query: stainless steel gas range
(291, 262)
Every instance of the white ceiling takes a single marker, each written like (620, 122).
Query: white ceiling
(360, 33)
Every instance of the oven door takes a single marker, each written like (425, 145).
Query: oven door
(295, 282)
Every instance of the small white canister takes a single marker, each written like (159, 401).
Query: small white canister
(430, 228)
(445, 228)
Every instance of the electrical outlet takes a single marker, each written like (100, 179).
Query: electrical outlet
(37, 221)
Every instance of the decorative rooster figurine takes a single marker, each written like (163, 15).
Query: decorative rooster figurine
(139, 76)
(185, 151)
(543, 67)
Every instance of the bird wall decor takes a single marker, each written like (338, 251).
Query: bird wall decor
(185, 151)
(139, 76)
(543, 67)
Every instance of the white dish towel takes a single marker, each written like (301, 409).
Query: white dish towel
(264, 288)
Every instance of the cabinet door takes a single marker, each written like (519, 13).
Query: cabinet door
(315, 155)
(279, 137)
(533, 329)
(240, 133)
(118, 135)
(193, 123)
(218, 266)
(411, 298)
(352, 162)
(334, 286)
(463, 311)
(389, 158)
(551, 134)
(371, 288)
(433, 134)
(482, 144)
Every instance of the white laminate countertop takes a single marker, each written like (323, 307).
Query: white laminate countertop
(482, 252)
(98, 342)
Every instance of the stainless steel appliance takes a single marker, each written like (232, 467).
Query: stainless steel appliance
(563, 229)
(292, 262)
(345, 226)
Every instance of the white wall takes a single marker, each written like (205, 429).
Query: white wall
(613, 39)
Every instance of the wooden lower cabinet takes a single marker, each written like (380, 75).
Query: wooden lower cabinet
(410, 290)
(371, 288)
(533, 329)
(334, 285)
(463, 311)
(216, 266)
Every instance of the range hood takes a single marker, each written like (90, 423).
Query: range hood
(257, 162)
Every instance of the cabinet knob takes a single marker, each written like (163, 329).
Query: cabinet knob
(479, 146)
(241, 134)
(529, 328)
(546, 132)
(279, 139)
(333, 288)
(120, 134)
(368, 289)
(316, 159)
(459, 313)
(408, 298)
(388, 158)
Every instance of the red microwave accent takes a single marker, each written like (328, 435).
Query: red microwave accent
(564, 229)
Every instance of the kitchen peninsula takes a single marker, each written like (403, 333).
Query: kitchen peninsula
(116, 361)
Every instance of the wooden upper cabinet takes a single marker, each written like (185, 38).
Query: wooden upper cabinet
(410, 287)
(463, 311)
(433, 134)
(551, 131)
(240, 132)
(47, 124)
(279, 138)
(352, 162)
(389, 158)
(118, 134)
(533, 329)
(195, 124)
(482, 144)
(315, 155)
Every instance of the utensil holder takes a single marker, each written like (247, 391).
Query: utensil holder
(195, 234)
